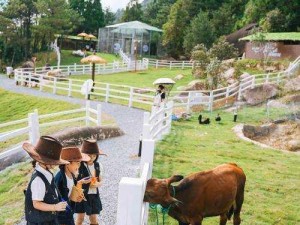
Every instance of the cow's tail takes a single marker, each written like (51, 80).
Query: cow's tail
(230, 212)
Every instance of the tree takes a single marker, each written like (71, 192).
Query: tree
(200, 31)
(94, 16)
(109, 16)
(222, 50)
(133, 11)
(274, 21)
(175, 28)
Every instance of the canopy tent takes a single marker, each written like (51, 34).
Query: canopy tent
(125, 36)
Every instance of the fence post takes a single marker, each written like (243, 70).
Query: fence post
(240, 91)
(75, 68)
(188, 102)
(83, 69)
(70, 88)
(29, 79)
(54, 85)
(253, 82)
(41, 82)
(182, 67)
(69, 70)
(99, 121)
(147, 153)
(87, 92)
(211, 100)
(107, 93)
(156, 65)
(171, 106)
(130, 201)
(267, 78)
(170, 64)
(278, 78)
(130, 97)
(87, 112)
(34, 127)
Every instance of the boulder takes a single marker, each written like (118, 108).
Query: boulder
(244, 75)
(54, 73)
(228, 74)
(292, 85)
(293, 145)
(253, 132)
(260, 94)
(178, 77)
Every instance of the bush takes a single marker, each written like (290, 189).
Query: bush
(222, 50)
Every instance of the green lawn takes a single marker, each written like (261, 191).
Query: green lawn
(17, 106)
(273, 184)
(67, 58)
(143, 78)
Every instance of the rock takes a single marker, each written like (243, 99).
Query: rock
(281, 67)
(228, 73)
(231, 81)
(141, 91)
(54, 73)
(293, 145)
(258, 131)
(75, 136)
(270, 69)
(260, 94)
(292, 85)
(178, 77)
(244, 75)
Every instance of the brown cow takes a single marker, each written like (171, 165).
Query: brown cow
(216, 192)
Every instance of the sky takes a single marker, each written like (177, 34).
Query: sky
(114, 4)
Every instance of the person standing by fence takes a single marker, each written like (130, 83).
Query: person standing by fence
(93, 206)
(66, 178)
(42, 198)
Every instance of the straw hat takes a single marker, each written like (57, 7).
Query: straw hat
(72, 154)
(46, 151)
(91, 147)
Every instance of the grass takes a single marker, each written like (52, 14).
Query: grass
(67, 58)
(13, 181)
(273, 184)
(142, 79)
(17, 106)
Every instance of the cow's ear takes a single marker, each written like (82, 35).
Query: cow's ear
(174, 178)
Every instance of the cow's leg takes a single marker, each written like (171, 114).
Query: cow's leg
(223, 219)
(239, 202)
(181, 223)
(197, 221)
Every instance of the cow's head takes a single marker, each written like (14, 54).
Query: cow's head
(158, 191)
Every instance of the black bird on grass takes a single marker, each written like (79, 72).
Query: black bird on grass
(218, 118)
(205, 120)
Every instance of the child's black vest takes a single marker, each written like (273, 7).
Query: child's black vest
(84, 172)
(37, 216)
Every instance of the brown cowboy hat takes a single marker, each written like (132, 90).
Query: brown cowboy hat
(90, 146)
(72, 154)
(46, 151)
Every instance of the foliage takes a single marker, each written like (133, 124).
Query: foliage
(132, 12)
(273, 22)
(223, 50)
(109, 16)
(213, 69)
(200, 31)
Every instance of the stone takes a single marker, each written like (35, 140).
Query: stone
(244, 75)
(292, 85)
(293, 145)
(178, 77)
(260, 94)
(228, 73)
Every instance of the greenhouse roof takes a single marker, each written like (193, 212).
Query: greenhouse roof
(284, 36)
(133, 27)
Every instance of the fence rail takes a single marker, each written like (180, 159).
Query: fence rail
(31, 125)
(188, 99)
(131, 208)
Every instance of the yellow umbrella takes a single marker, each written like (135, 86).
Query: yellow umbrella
(93, 59)
(90, 36)
(83, 35)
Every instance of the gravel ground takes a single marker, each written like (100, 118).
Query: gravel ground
(121, 160)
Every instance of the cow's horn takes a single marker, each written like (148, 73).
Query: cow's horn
(174, 178)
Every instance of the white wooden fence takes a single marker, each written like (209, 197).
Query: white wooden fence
(31, 124)
(131, 95)
(131, 208)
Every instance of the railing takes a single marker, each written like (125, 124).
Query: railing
(186, 99)
(171, 64)
(132, 210)
(31, 124)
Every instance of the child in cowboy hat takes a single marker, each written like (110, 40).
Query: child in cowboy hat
(42, 198)
(65, 179)
(93, 169)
